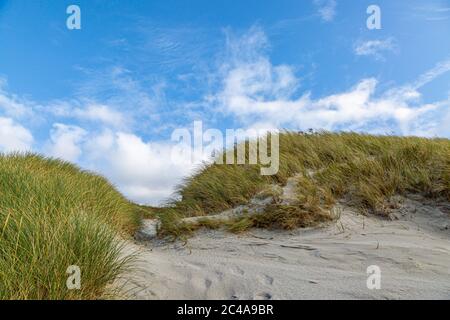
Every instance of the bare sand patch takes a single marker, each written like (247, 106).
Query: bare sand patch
(412, 251)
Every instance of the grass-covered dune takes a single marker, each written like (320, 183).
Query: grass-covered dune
(52, 216)
(366, 170)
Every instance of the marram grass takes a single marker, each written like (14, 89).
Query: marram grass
(365, 170)
(52, 216)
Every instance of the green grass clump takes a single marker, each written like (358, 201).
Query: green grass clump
(52, 216)
(366, 170)
(218, 187)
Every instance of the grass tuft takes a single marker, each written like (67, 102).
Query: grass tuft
(52, 216)
(366, 170)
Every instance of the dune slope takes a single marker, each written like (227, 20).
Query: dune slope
(412, 251)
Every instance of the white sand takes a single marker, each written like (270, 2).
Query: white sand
(413, 253)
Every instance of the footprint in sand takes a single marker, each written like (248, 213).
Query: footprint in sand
(263, 296)
(219, 275)
(238, 271)
(265, 279)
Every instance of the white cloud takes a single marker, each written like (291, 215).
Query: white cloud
(249, 76)
(14, 137)
(326, 9)
(375, 48)
(99, 144)
(12, 105)
(65, 142)
(144, 171)
(87, 110)
(443, 129)
(251, 93)
(137, 100)
(440, 68)
(101, 113)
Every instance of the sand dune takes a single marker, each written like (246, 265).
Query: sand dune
(412, 251)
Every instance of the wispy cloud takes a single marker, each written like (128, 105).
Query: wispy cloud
(11, 104)
(89, 111)
(440, 68)
(118, 96)
(433, 12)
(375, 48)
(326, 9)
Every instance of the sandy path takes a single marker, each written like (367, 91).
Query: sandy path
(328, 263)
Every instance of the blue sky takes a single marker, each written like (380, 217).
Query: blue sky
(109, 96)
